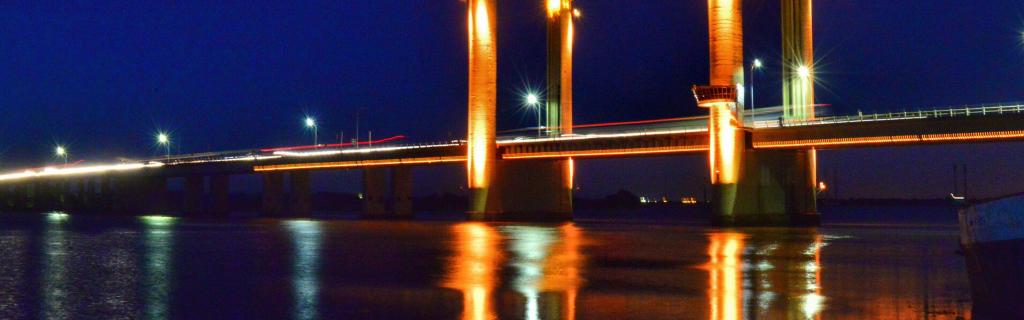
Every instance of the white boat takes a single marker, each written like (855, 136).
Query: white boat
(992, 237)
(993, 221)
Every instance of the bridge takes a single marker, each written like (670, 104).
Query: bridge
(763, 172)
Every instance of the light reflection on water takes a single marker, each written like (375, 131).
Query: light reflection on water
(306, 236)
(158, 240)
(160, 267)
(54, 282)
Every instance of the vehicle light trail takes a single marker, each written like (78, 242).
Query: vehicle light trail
(335, 145)
(68, 171)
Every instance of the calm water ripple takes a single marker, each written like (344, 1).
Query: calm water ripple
(56, 266)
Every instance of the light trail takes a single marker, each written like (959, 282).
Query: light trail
(299, 148)
(70, 171)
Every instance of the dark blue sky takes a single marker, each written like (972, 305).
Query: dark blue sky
(102, 77)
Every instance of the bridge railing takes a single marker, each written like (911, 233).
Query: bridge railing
(1015, 108)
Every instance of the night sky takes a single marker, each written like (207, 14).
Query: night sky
(103, 77)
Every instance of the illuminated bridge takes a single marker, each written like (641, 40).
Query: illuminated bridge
(763, 172)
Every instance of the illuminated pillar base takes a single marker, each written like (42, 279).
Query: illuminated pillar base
(300, 198)
(776, 188)
(537, 190)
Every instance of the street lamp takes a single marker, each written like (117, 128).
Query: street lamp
(63, 153)
(311, 123)
(164, 140)
(534, 102)
(803, 72)
(754, 67)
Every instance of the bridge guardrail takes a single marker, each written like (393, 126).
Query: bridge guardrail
(905, 115)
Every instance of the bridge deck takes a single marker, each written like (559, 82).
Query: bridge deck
(990, 124)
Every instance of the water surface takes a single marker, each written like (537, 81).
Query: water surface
(59, 266)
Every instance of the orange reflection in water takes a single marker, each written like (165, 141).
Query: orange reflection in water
(725, 275)
(474, 267)
(547, 262)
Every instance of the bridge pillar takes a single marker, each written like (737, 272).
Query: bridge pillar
(42, 197)
(300, 194)
(192, 195)
(220, 187)
(483, 77)
(753, 187)
(88, 194)
(12, 194)
(401, 192)
(273, 194)
(108, 195)
(560, 37)
(143, 195)
(533, 190)
(775, 188)
(374, 193)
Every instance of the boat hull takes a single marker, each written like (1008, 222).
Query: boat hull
(992, 238)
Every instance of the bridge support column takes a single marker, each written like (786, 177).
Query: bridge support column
(273, 194)
(143, 195)
(192, 195)
(90, 197)
(374, 193)
(560, 38)
(12, 195)
(106, 197)
(401, 192)
(220, 187)
(754, 187)
(42, 196)
(483, 78)
(301, 205)
(775, 188)
(537, 190)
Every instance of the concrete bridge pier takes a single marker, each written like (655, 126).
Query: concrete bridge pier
(300, 203)
(537, 190)
(387, 193)
(220, 187)
(775, 188)
(273, 194)
(145, 195)
(192, 195)
(87, 194)
(11, 194)
(41, 198)
(401, 192)
(374, 193)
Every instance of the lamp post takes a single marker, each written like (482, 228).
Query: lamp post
(753, 68)
(534, 102)
(63, 153)
(311, 123)
(164, 140)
